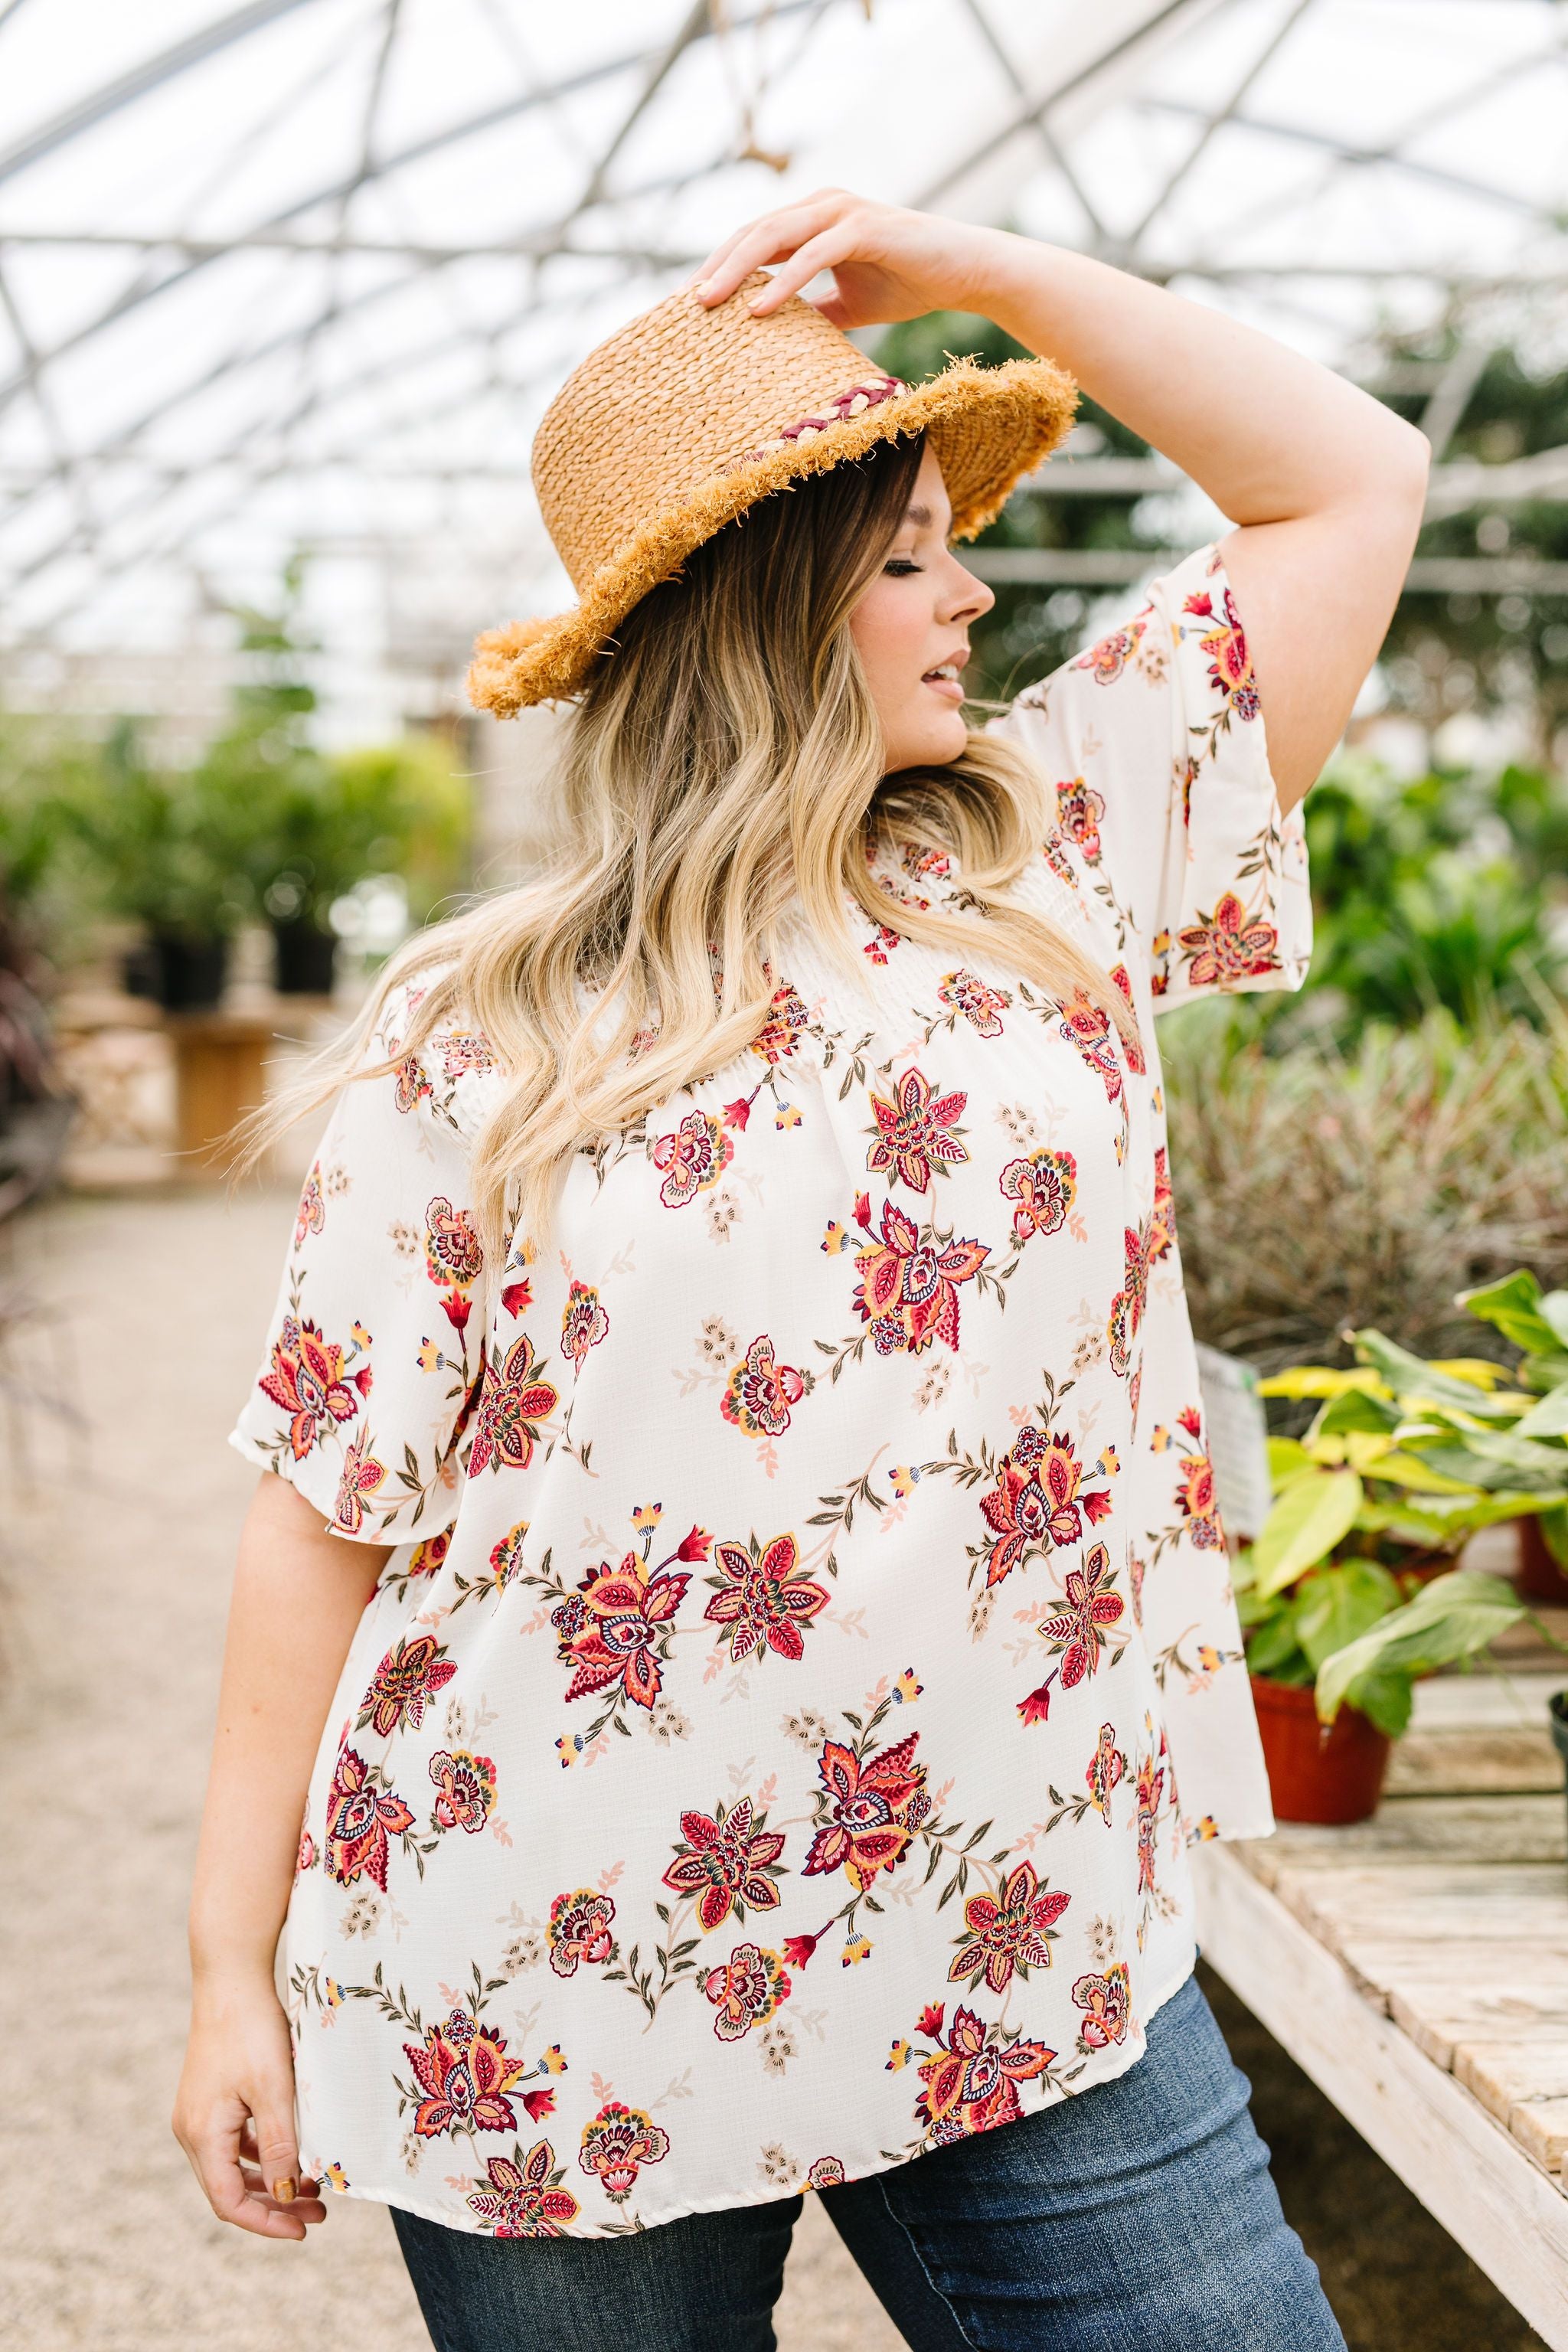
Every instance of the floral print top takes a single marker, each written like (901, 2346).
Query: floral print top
(772, 1746)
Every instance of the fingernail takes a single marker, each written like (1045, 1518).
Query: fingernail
(701, 286)
(283, 2190)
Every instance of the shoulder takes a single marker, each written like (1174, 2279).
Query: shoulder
(1134, 666)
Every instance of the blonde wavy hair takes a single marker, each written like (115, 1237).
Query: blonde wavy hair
(724, 756)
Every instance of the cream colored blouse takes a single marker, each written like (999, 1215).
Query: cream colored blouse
(772, 1747)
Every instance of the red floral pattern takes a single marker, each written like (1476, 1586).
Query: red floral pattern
(764, 1597)
(874, 1805)
(614, 1639)
(971, 2080)
(662, 1764)
(616, 2145)
(1012, 1930)
(310, 1380)
(524, 2198)
(465, 2071)
(362, 1814)
(917, 1132)
(727, 1864)
(907, 1289)
(512, 1403)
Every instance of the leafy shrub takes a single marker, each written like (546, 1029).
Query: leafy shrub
(1324, 1189)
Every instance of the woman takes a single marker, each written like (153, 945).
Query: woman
(751, 1737)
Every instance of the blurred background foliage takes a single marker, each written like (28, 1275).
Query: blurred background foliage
(1406, 1112)
(1442, 653)
(263, 827)
(1355, 1153)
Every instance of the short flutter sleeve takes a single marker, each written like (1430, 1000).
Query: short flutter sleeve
(1154, 742)
(370, 1372)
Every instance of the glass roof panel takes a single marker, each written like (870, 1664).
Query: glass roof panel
(303, 273)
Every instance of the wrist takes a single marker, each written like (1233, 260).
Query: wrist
(224, 1966)
(997, 265)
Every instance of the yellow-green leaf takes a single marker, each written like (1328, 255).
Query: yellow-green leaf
(1288, 1459)
(1320, 1380)
(1365, 1448)
(1303, 1527)
(1403, 1469)
(1485, 1375)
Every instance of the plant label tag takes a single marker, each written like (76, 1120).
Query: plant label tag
(1238, 1431)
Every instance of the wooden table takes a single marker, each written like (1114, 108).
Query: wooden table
(1415, 1966)
(220, 1062)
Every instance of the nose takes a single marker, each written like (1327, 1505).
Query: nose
(970, 597)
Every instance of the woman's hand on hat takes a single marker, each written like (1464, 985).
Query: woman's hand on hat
(888, 262)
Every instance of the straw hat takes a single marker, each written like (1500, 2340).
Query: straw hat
(690, 414)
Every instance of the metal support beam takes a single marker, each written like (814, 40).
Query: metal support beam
(1344, 151)
(417, 151)
(534, 243)
(1116, 567)
(151, 74)
(1027, 116)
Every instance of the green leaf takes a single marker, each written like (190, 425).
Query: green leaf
(1515, 1308)
(1403, 1467)
(1553, 1526)
(1489, 1458)
(1302, 1528)
(1415, 1382)
(1288, 1459)
(1385, 1696)
(1354, 1410)
(1547, 1419)
(1272, 1646)
(1335, 1606)
(1453, 1617)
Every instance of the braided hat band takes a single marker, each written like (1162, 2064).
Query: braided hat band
(688, 415)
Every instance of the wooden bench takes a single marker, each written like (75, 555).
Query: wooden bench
(1415, 1966)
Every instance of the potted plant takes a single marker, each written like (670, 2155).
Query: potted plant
(1403, 1461)
(163, 846)
(327, 824)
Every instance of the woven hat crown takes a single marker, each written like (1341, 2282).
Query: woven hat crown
(690, 412)
(677, 395)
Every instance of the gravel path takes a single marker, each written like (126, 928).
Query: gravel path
(116, 1546)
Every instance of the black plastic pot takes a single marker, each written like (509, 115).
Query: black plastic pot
(306, 958)
(182, 974)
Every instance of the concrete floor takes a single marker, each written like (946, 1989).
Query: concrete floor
(116, 1542)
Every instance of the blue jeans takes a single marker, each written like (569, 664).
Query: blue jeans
(1139, 2216)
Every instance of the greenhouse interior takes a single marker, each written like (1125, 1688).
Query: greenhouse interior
(285, 289)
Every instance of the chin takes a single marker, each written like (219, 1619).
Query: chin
(932, 745)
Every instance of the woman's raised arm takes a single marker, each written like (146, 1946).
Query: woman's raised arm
(298, 1594)
(1326, 485)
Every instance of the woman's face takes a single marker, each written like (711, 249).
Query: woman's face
(914, 619)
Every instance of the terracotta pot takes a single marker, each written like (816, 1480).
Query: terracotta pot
(1539, 1577)
(1318, 1775)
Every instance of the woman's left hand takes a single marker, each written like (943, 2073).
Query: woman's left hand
(888, 262)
